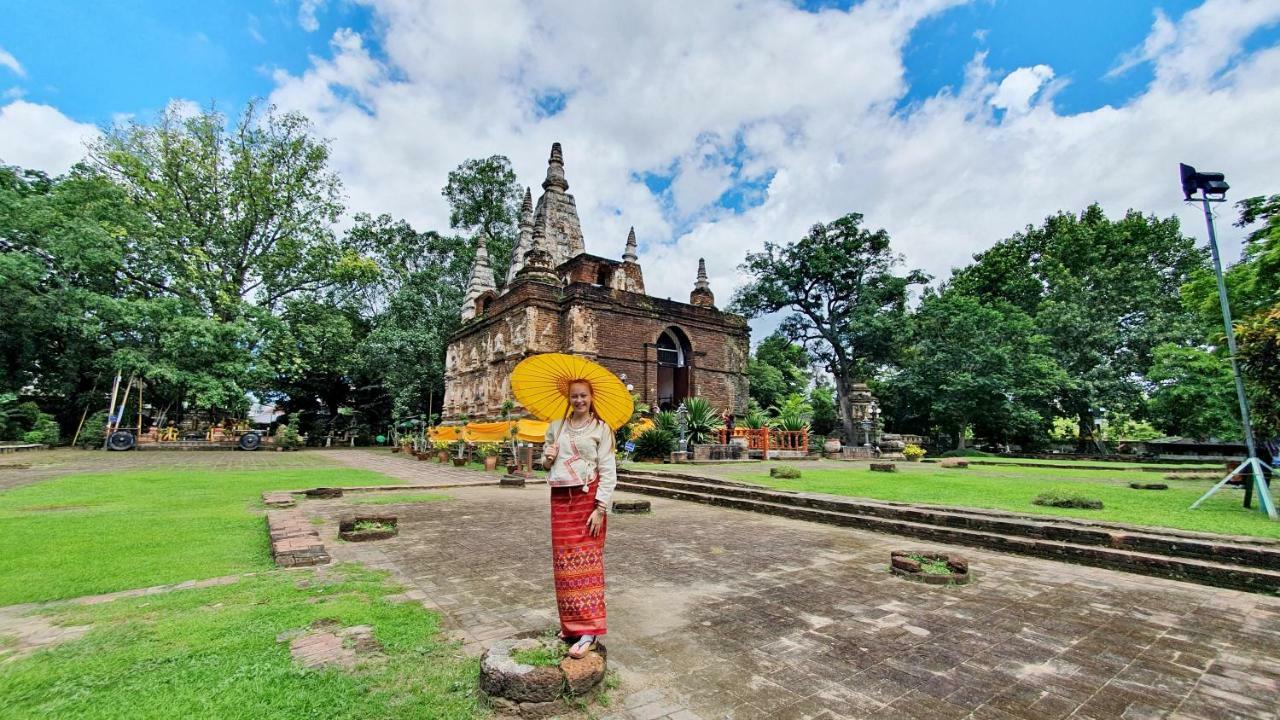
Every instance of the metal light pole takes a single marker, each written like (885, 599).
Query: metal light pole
(1214, 184)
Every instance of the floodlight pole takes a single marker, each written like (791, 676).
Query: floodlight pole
(1254, 464)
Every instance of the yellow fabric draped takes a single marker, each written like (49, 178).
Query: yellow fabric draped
(527, 430)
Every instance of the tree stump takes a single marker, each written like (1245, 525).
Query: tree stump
(884, 467)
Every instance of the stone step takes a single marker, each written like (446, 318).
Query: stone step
(1218, 573)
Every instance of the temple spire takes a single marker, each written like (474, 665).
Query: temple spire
(537, 261)
(555, 171)
(629, 255)
(702, 294)
(525, 239)
(481, 279)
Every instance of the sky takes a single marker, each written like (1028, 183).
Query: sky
(711, 127)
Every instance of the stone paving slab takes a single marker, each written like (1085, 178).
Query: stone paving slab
(424, 473)
(716, 613)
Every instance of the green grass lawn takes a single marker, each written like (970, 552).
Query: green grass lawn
(212, 653)
(97, 533)
(1013, 488)
(1164, 467)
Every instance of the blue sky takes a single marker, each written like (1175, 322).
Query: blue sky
(95, 60)
(710, 127)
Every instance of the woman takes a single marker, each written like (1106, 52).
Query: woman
(580, 453)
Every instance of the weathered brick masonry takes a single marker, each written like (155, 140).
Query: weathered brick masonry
(558, 298)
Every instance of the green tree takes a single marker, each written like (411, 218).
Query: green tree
(980, 367)
(848, 307)
(1259, 351)
(484, 198)
(235, 213)
(1104, 293)
(1194, 393)
(778, 368)
(823, 400)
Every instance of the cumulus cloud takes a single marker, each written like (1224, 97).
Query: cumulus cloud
(717, 94)
(41, 137)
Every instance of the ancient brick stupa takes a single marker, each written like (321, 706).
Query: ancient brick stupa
(559, 298)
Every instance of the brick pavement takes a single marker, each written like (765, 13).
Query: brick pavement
(717, 613)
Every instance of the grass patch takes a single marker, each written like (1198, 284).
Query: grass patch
(399, 498)
(213, 653)
(1013, 488)
(785, 472)
(1067, 499)
(141, 528)
(541, 656)
(372, 526)
(929, 566)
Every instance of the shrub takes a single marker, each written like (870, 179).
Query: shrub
(666, 422)
(1067, 499)
(654, 444)
(288, 436)
(913, 452)
(966, 452)
(43, 431)
(784, 471)
(439, 445)
(703, 420)
(487, 449)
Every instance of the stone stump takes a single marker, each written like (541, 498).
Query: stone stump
(537, 691)
(884, 467)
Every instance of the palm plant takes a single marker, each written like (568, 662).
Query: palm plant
(794, 414)
(666, 422)
(702, 419)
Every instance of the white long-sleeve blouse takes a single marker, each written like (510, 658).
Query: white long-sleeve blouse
(585, 456)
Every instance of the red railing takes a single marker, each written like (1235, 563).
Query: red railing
(766, 439)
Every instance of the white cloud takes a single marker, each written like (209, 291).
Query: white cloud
(1018, 88)
(8, 60)
(307, 10)
(698, 87)
(41, 137)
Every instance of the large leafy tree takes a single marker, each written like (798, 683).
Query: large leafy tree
(848, 306)
(233, 214)
(424, 277)
(980, 367)
(1104, 293)
(778, 368)
(1194, 393)
(484, 199)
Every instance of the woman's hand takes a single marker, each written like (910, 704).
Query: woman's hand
(549, 454)
(595, 523)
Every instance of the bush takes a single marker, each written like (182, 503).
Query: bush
(654, 444)
(913, 452)
(784, 471)
(288, 437)
(966, 452)
(43, 431)
(487, 449)
(666, 421)
(703, 420)
(1067, 499)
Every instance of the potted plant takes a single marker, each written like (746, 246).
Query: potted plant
(440, 449)
(459, 453)
(488, 451)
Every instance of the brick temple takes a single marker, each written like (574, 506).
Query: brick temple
(559, 298)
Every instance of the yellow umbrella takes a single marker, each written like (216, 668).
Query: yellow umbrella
(541, 384)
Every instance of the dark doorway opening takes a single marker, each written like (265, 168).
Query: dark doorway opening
(674, 355)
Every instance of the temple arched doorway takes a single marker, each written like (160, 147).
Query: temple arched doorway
(674, 358)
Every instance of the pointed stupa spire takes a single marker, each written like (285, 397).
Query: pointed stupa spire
(537, 261)
(702, 294)
(555, 170)
(481, 279)
(524, 241)
(629, 255)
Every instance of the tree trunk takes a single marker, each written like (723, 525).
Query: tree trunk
(960, 436)
(846, 408)
(1085, 426)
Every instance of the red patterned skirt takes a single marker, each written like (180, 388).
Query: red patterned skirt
(577, 561)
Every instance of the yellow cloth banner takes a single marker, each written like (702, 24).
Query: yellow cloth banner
(534, 431)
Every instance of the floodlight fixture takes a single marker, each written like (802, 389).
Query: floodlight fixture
(1213, 188)
(1213, 184)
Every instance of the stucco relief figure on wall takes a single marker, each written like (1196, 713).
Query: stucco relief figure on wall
(558, 298)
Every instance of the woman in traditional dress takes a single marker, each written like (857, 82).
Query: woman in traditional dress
(580, 453)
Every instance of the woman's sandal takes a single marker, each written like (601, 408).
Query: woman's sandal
(582, 647)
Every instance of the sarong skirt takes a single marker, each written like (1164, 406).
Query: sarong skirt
(577, 561)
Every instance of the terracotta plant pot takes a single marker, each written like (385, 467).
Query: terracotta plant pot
(490, 462)
(831, 447)
(442, 456)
